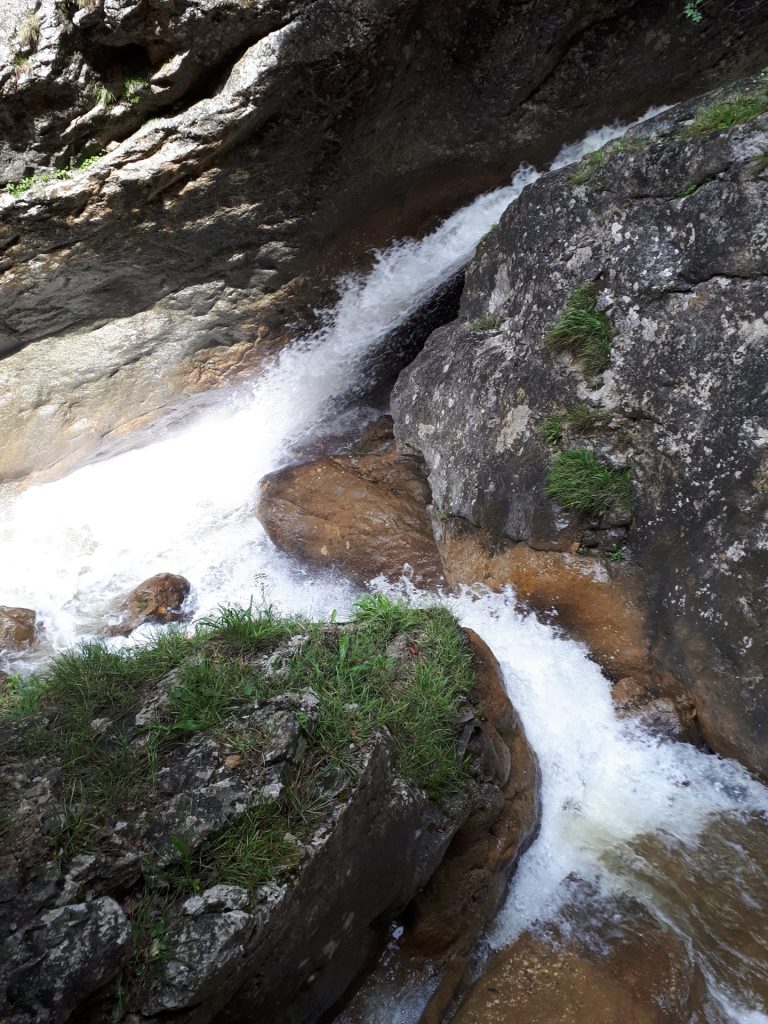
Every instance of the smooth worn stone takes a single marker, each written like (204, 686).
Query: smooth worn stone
(17, 628)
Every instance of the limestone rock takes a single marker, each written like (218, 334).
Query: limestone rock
(284, 950)
(667, 228)
(17, 628)
(365, 513)
(215, 217)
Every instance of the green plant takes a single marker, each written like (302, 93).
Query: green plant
(579, 482)
(583, 330)
(18, 188)
(134, 88)
(757, 164)
(618, 555)
(102, 94)
(693, 10)
(489, 322)
(28, 32)
(727, 113)
(587, 167)
(89, 161)
(584, 418)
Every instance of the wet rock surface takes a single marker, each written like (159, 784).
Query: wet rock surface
(159, 599)
(284, 950)
(364, 513)
(668, 229)
(616, 964)
(255, 151)
(17, 628)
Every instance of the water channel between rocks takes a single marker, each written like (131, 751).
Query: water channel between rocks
(683, 832)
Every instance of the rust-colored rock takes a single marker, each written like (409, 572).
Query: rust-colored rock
(597, 603)
(365, 513)
(640, 975)
(17, 628)
(670, 718)
(464, 895)
(159, 599)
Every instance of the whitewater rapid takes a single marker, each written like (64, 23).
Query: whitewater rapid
(185, 504)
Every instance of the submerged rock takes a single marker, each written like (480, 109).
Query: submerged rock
(364, 513)
(661, 237)
(159, 599)
(615, 963)
(18, 628)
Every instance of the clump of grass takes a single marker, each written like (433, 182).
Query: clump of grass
(489, 322)
(102, 95)
(757, 164)
(579, 482)
(583, 330)
(727, 113)
(89, 161)
(221, 667)
(28, 32)
(552, 428)
(581, 418)
(587, 166)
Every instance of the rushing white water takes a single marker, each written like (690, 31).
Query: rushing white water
(620, 808)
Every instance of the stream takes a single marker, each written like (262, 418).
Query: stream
(682, 831)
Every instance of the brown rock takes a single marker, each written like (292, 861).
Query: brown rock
(598, 603)
(159, 599)
(673, 719)
(640, 975)
(17, 628)
(363, 513)
(464, 895)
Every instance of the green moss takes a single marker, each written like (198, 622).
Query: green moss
(579, 482)
(583, 330)
(738, 109)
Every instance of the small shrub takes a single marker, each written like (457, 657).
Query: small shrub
(583, 330)
(89, 161)
(693, 10)
(738, 109)
(489, 322)
(579, 482)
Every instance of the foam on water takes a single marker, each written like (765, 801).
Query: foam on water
(620, 808)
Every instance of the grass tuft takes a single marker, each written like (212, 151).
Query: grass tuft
(579, 482)
(28, 32)
(737, 109)
(583, 330)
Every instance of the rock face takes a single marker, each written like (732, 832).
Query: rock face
(281, 951)
(17, 628)
(232, 133)
(667, 231)
(365, 513)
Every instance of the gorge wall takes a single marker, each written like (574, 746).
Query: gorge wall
(254, 151)
(658, 240)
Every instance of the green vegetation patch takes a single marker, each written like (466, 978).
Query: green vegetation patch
(738, 109)
(581, 418)
(18, 188)
(590, 164)
(219, 668)
(579, 482)
(489, 322)
(583, 330)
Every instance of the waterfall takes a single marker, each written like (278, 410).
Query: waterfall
(621, 808)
